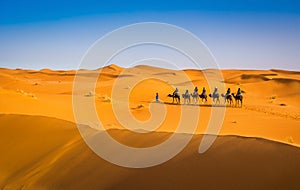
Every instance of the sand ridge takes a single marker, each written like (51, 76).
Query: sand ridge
(41, 158)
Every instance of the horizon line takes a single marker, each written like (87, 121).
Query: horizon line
(182, 69)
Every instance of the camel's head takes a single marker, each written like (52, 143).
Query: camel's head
(170, 95)
(209, 95)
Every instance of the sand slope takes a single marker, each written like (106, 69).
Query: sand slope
(52, 156)
(41, 148)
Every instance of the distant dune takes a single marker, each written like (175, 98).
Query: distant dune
(41, 148)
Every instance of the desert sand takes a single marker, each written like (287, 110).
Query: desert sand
(258, 146)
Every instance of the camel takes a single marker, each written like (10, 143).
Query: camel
(175, 96)
(203, 96)
(238, 99)
(227, 98)
(215, 97)
(187, 98)
(195, 96)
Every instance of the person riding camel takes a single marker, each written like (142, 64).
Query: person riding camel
(203, 91)
(227, 93)
(186, 93)
(196, 90)
(176, 92)
(239, 92)
(215, 91)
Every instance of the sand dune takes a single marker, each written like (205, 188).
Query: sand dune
(258, 146)
(48, 153)
(248, 78)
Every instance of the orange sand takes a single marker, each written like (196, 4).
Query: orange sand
(42, 149)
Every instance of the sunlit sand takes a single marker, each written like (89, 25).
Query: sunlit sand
(41, 148)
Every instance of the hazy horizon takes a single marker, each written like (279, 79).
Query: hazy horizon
(242, 69)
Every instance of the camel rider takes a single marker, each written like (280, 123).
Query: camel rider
(215, 91)
(176, 92)
(203, 91)
(196, 90)
(239, 92)
(228, 92)
(186, 93)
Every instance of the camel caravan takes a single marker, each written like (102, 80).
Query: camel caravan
(228, 97)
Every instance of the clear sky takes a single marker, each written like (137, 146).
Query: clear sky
(247, 34)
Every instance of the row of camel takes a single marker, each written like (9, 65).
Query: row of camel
(215, 97)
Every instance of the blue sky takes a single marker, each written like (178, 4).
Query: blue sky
(247, 34)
